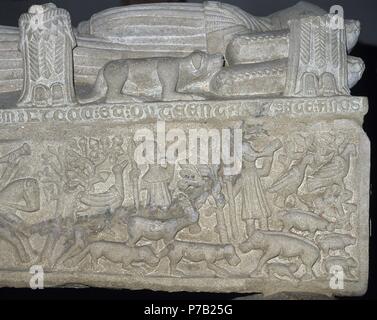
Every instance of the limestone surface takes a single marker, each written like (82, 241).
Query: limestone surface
(184, 147)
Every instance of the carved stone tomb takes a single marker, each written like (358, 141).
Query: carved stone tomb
(182, 146)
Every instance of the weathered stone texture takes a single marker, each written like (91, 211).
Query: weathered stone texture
(76, 199)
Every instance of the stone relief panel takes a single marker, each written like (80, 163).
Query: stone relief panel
(223, 153)
(86, 206)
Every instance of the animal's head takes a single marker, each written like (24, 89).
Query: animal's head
(97, 224)
(231, 256)
(253, 242)
(191, 177)
(122, 214)
(246, 246)
(187, 179)
(197, 70)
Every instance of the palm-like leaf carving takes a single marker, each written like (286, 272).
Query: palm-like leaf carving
(334, 48)
(320, 45)
(48, 57)
(34, 46)
(305, 42)
(59, 56)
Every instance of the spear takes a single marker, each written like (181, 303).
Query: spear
(220, 203)
(232, 208)
(134, 174)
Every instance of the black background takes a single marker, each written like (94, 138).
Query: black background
(363, 10)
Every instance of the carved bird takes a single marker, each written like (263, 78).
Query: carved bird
(288, 183)
(332, 172)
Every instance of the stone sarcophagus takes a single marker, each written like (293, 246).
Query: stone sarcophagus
(184, 165)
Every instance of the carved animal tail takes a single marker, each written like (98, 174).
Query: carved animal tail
(99, 90)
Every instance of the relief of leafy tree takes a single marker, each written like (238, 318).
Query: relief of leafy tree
(77, 168)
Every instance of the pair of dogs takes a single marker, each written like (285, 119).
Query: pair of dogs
(119, 252)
